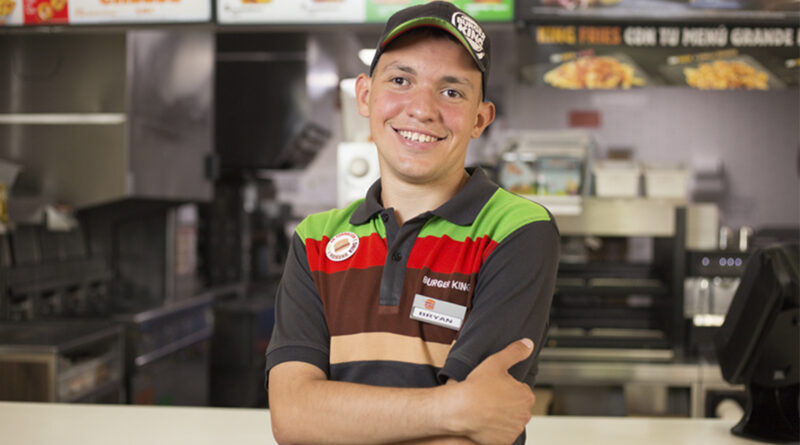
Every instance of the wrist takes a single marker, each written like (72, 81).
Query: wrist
(453, 409)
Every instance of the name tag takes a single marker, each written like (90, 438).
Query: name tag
(437, 312)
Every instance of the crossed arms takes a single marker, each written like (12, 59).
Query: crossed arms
(488, 407)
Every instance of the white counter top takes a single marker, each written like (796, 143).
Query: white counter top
(58, 424)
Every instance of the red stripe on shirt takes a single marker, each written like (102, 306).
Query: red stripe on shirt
(446, 255)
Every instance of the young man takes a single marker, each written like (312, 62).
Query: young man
(398, 317)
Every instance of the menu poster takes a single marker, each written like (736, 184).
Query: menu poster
(482, 10)
(65, 12)
(138, 11)
(749, 10)
(37, 12)
(290, 11)
(611, 56)
(11, 12)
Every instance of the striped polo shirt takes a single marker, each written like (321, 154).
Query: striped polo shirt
(345, 301)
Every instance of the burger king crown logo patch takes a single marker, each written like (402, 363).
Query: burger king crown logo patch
(342, 246)
(471, 31)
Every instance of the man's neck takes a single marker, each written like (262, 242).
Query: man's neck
(410, 200)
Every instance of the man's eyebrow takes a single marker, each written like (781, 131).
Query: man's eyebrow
(457, 80)
(401, 67)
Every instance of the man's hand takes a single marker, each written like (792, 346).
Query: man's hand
(494, 404)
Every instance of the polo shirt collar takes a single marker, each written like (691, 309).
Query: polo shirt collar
(461, 209)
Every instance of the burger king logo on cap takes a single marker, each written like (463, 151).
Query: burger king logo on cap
(471, 31)
(342, 246)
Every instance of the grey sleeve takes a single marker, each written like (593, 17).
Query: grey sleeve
(512, 300)
(300, 332)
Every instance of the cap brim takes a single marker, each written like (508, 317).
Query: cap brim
(435, 22)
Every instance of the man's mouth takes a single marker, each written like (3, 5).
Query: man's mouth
(417, 137)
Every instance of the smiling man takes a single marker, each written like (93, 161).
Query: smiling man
(416, 314)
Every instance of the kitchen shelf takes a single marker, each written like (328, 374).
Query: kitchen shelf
(610, 278)
(611, 286)
(63, 118)
(559, 205)
(622, 217)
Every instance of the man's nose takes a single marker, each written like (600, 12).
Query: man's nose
(422, 105)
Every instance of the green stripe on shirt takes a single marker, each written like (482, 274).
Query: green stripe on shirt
(334, 221)
(502, 215)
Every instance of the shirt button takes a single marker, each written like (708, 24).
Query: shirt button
(396, 256)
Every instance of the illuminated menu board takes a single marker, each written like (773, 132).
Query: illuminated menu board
(631, 11)
(482, 10)
(579, 56)
(344, 11)
(79, 12)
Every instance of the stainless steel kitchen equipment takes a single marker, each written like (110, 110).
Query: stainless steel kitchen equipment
(93, 118)
(49, 274)
(607, 307)
(712, 277)
(151, 246)
(261, 100)
(242, 330)
(167, 360)
(62, 361)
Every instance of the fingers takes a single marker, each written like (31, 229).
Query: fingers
(513, 353)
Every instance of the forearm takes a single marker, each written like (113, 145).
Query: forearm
(328, 412)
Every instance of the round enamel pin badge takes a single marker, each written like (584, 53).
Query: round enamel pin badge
(342, 246)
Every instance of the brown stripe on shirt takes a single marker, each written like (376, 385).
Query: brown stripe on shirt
(352, 303)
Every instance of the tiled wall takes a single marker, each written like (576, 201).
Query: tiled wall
(755, 135)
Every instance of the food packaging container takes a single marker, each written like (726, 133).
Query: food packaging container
(702, 226)
(518, 173)
(666, 181)
(616, 178)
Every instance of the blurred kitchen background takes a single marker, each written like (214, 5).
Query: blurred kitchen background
(152, 173)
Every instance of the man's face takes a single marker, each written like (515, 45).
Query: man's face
(424, 104)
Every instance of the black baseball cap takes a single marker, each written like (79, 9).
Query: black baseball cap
(445, 16)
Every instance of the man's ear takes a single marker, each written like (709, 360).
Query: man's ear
(483, 119)
(363, 85)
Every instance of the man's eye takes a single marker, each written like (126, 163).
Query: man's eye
(451, 93)
(399, 81)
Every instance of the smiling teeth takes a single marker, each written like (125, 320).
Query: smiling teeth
(414, 136)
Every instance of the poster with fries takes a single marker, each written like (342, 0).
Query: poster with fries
(627, 56)
(711, 11)
(40, 12)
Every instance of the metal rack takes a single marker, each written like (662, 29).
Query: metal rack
(611, 308)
